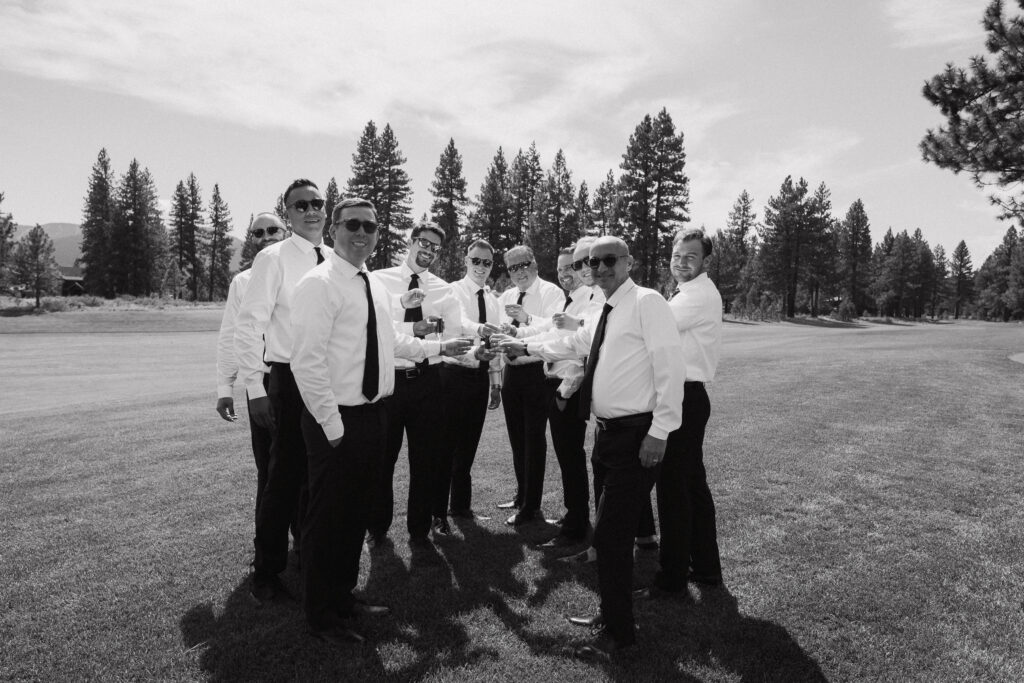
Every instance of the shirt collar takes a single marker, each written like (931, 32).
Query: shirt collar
(346, 268)
(406, 272)
(472, 287)
(305, 246)
(621, 292)
(695, 282)
(580, 293)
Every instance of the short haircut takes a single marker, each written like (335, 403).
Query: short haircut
(520, 249)
(296, 184)
(566, 251)
(265, 213)
(583, 241)
(481, 244)
(352, 203)
(691, 234)
(429, 226)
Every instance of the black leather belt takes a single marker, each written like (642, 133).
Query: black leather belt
(413, 373)
(635, 420)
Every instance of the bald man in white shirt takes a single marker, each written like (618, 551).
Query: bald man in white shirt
(633, 385)
(266, 229)
(686, 509)
(263, 336)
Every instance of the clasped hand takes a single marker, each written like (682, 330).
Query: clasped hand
(564, 321)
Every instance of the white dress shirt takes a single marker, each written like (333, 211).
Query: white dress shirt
(329, 316)
(465, 292)
(264, 317)
(570, 371)
(640, 368)
(697, 308)
(227, 363)
(542, 300)
(439, 301)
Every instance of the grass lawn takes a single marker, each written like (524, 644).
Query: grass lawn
(868, 479)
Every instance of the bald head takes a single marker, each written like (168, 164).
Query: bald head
(612, 259)
(266, 228)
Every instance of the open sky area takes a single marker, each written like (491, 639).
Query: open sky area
(252, 94)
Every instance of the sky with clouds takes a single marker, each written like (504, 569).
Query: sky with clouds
(252, 94)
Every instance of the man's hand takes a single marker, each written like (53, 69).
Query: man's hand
(495, 398)
(564, 321)
(652, 451)
(413, 298)
(226, 408)
(424, 327)
(508, 329)
(456, 347)
(261, 412)
(516, 312)
(483, 353)
(485, 330)
(513, 348)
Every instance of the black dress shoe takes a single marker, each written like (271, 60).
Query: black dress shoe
(441, 527)
(562, 542)
(604, 648)
(579, 558)
(592, 621)
(665, 582)
(338, 636)
(268, 590)
(376, 542)
(521, 518)
(361, 608)
(508, 506)
(419, 541)
(464, 513)
(647, 545)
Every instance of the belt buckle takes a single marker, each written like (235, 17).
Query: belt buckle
(412, 373)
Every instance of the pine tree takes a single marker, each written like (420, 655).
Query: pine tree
(820, 265)
(940, 282)
(249, 248)
(553, 226)
(606, 214)
(33, 263)
(490, 219)
(992, 280)
(1014, 296)
(923, 273)
(732, 249)
(138, 238)
(855, 255)
(332, 195)
(784, 240)
(7, 226)
(525, 177)
(187, 234)
(983, 136)
(448, 210)
(962, 279)
(97, 225)
(656, 193)
(895, 275)
(218, 248)
(583, 219)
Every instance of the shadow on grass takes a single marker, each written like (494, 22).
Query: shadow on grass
(18, 311)
(733, 321)
(826, 323)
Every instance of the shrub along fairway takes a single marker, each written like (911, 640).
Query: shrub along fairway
(867, 476)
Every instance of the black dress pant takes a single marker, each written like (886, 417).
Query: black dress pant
(466, 395)
(626, 485)
(646, 526)
(285, 492)
(526, 396)
(686, 509)
(416, 409)
(261, 439)
(340, 490)
(568, 433)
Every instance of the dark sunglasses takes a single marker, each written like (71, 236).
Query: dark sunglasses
(259, 232)
(520, 266)
(353, 224)
(302, 205)
(609, 261)
(485, 262)
(578, 265)
(427, 245)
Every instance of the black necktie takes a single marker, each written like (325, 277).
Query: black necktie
(414, 315)
(519, 301)
(319, 256)
(568, 300)
(371, 368)
(482, 311)
(587, 388)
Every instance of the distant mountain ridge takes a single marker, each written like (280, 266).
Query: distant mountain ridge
(67, 242)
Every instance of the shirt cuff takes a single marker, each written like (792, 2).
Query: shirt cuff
(432, 347)
(225, 391)
(256, 389)
(657, 433)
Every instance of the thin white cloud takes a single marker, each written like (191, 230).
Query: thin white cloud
(925, 23)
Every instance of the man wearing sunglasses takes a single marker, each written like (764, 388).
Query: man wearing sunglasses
(416, 408)
(266, 229)
(527, 392)
(264, 333)
(472, 383)
(633, 384)
(345, 343)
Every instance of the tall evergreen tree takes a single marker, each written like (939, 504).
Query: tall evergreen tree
(732, 249)
(448, 209)
(332, 195)
(983, 108)
(7, 227)
(138, 238)
(784, 236)
(553, 225)
(992, 280)
(584, 224)
(656, 193)
(490, 219)
(218, 247)
(820, 264)
(525, 177)
(894, 280)
(249, 247)
(940, 282)
(961, 276)
(34, 265)
(188, 234)
(855, 255)
(1014, 296)
(606, 214)
(924, 274)
(97, 226)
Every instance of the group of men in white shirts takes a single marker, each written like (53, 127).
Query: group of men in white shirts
(339, 363)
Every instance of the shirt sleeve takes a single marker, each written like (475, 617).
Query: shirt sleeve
(688, 311)
(253, 319)
(415, 349)
(666, 354)
(313, 315)
(227, 365)
(570, 347)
